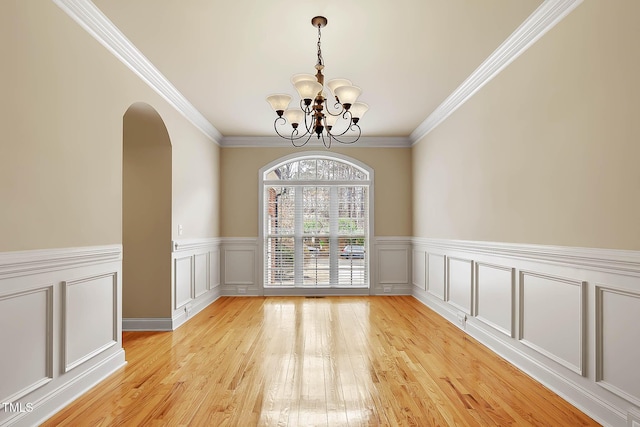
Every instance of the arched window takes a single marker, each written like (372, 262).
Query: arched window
(316, 222)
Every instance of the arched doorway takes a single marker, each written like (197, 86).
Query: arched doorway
(146, 215)
(315, 225)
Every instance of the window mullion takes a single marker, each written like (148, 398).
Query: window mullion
(298, 263)
(334, 244)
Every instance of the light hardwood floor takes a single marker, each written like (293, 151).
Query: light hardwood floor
(334, 361)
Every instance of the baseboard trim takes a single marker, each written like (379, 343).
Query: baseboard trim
(52, 403)
(147, 324)
(197, 307)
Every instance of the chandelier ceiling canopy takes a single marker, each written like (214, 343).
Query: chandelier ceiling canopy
(313, 116)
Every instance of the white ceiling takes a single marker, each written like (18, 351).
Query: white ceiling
(225, 57)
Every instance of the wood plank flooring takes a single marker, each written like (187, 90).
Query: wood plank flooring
(334, 361)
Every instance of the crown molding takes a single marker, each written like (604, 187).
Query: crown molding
(276, 141)
(545, 17)
(89, 17)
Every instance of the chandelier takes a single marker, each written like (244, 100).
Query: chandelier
(314, 117)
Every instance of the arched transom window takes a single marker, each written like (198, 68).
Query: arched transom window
(316, 223)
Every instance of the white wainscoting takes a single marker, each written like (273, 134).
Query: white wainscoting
(390, 269)
(195, 277)
(60, 312)
(391, 266)
(569, 317)
(240, 266)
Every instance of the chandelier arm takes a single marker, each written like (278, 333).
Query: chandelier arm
(304, 143)
(337, 105)
(308, 126)
(354, 125)
(326, 144)
(349, 126)
(293, 136)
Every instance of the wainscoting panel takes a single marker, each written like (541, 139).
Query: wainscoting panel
(240, 267)
(90, 318)
(495, 292)
(214, 269)
(196, 279)
(27, 322)
(391, 267)
(200, 266)
(460, 283)
(555, 304)
(569, 317)
(436, 284)
(618, 335)
(183, 279)
(419, 269)
(60, 310)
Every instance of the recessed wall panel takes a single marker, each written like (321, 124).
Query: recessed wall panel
(495, 287)
(552, 318)
(436, 284)
(618, 361)
(25, 357)
(214, 269)
(393, 266)
(419, 269)
(183, 275)
(460, 283)
(239, 267)
(200, 274)
(89, 318)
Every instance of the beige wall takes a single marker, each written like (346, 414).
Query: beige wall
(548, 151)
(64, 97)
(239, 179)
(146, 214)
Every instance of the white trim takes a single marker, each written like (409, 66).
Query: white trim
(276, 141)
(69, 391)
(89, 17)
(369, 183)
(582, 285)
(579, 378)
(198, 305)
(42, 261)
(147, 324)
(182, 245)
(605, 260)
(545, 17)
(68, 365)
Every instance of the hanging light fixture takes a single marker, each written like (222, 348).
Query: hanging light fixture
(314, 117)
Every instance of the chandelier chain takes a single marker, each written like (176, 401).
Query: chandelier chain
(320, 60)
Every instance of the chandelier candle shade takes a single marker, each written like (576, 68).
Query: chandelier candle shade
(313, 116)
